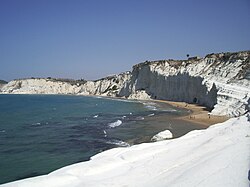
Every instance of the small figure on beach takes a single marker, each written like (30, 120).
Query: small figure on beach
(191, 117)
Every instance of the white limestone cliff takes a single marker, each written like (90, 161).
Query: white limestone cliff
(109, 86)
(220, 82)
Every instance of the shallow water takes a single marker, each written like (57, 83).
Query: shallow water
(41, 133)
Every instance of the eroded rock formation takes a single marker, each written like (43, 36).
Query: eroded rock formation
(220, 82)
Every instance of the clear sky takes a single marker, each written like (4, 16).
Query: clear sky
(94, 38)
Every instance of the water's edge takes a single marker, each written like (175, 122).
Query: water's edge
(153, 121)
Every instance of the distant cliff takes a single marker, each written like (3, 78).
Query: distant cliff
(220, 82)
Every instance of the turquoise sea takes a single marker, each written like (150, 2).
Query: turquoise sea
(41, 133)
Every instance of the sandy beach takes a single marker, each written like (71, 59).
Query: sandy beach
(199, 115)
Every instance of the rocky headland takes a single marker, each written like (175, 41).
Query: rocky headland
(220, 82)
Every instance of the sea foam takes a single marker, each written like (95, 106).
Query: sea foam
(115, 124)
(119, 143)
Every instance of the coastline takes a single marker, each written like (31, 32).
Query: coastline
(159, 164)
(200, 117)
(199, 114)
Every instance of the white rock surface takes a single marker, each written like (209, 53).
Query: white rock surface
(218, 156)
(139, 95)
(219, 81)
(162, 136)
(40, 86)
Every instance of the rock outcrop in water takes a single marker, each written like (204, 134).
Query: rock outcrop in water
(220, 82)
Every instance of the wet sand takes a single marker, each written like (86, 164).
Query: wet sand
(199, 114)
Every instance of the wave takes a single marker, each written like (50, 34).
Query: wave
(123, 100)
(150, 105)
(98, 97)
(139, 118)
(119, 143)
(151, 114)
(118, 99)
(36, 124)
(96, 116)
(105, 133)
(169, 110)
(115, 124)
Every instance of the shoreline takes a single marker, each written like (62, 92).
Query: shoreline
(199, 114)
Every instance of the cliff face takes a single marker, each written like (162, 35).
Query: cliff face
(109, 86)
(176, 87)
(220, 82)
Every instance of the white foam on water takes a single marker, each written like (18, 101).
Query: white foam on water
(123, 100)
(115, 124)
(150, 106)
(155, 164)
(140, 118)
(169, 110)
(105, 133)
(151, 114)
(119, 143)
(96, 116)
(36, 124)
(98, 97)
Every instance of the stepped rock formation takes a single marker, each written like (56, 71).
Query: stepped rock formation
(220, 82)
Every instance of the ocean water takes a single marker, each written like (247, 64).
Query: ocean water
(41, 133)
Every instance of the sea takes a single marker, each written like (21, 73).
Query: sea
(42, 133)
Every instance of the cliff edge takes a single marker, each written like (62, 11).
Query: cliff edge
(221, 82)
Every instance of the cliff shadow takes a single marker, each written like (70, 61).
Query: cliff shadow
(181, 87)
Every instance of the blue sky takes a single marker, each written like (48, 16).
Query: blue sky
(94, 38)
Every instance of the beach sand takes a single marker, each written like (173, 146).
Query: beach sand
(199, 115)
